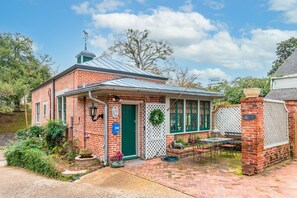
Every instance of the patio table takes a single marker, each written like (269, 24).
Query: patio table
(216, 140)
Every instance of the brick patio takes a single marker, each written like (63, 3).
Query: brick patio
(200, 181)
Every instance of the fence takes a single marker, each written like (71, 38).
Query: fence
(227, 118)
(154, 144)
(275, 123)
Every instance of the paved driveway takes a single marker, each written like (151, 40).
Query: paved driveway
(106, 182)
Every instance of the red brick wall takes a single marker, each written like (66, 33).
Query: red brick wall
(292, 111)
(252, 136)
(254, 157)
(75, 108)
(41, 96)
(276, 154)
(89, 77)
(95, 130)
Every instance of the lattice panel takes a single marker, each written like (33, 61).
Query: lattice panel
(154, 136)
(275, 124)
(228, 119)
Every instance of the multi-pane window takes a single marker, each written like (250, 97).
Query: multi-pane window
(37, 109)
(191, 115)
(44, 109)
(176, 116)
(204, 115)
(62, 108)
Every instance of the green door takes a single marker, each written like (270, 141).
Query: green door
(129, 130)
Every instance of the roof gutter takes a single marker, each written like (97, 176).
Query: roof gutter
(105, 126)
(160, 91)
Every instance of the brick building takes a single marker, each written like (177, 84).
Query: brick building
(124, 98)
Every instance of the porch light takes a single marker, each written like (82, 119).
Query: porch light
(93, 112)
(116, 99)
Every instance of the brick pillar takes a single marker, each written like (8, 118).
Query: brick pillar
(292, 111)
(252, 136)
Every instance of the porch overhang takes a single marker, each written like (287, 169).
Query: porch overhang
(125, 86)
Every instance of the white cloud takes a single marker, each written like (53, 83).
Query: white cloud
(211, 73)
(194, 37)
(288, 7)
(216, 5)
(103, 7)
(82, 8)
(188, 7)
(108, 5)
(197, 38)
(101, 42)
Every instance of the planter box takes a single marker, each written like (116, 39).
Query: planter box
(180, 153)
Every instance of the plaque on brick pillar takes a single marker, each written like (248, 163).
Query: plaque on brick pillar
(248, 116)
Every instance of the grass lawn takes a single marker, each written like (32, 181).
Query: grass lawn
(11, 122)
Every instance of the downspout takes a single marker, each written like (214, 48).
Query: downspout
(53, 99)
(105, 127)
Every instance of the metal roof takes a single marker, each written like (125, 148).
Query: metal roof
(289, 66)
(113, 65)
(108, 66)
(86, 53)
(130, 84)
(282, 94)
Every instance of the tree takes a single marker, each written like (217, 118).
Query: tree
(19, 68)
(140, 49)
(182, 76)
(234, 90)
(284, 49)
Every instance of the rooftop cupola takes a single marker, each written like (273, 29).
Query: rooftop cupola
(85, 55)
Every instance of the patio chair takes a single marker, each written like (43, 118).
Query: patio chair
(229, 148)
(200, 150)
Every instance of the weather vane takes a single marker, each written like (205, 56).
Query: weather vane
(86, 37)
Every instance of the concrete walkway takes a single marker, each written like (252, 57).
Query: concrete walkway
(106, 182)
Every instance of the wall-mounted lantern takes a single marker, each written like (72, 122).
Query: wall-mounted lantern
(93, 112)
(116, 99)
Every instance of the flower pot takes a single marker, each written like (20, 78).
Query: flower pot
(251, 92)
(117, 164)
(85, 153)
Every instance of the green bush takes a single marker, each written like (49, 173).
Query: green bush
(33, 131)
(55, 133)
(70, 150)
(27, 153)
(36, 130)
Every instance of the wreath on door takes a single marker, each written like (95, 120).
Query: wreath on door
(157, 117)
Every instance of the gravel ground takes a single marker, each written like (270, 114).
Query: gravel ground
(5, 137)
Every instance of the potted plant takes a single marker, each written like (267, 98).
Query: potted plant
(85, 153)
(251, 91)
(116, 160)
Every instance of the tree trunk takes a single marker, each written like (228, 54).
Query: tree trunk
(17, 105)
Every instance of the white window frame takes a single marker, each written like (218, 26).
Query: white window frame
(37, 115)
(62, 109)
(198, 120)
(45, 112)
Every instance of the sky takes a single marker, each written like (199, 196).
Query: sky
(221, 39)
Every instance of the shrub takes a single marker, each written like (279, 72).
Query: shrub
(182, 142)
(36, 131)
(33, 131)
(21, 134)
(54, 133)
(27, 154)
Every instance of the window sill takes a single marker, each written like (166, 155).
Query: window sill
(187, 132)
